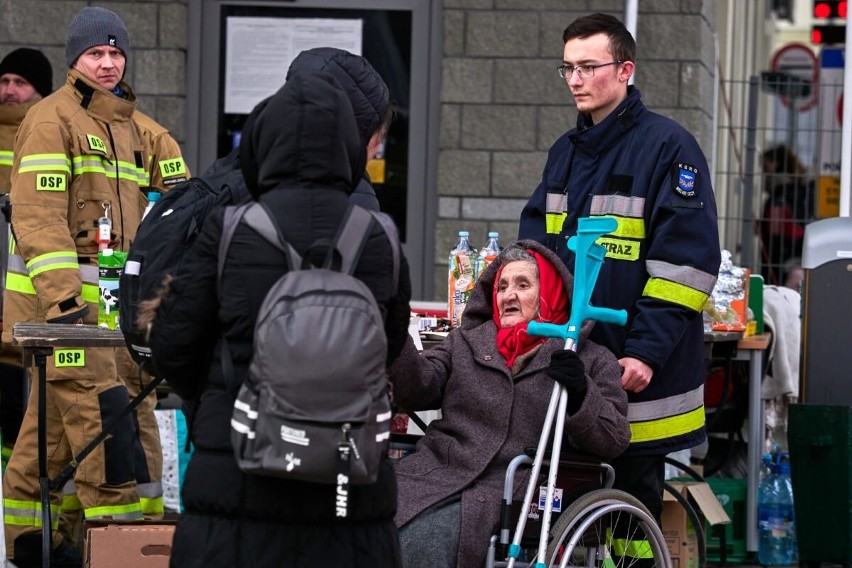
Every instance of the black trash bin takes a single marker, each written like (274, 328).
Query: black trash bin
(820, 440)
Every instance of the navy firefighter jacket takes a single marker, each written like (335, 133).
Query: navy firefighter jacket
(661, 263)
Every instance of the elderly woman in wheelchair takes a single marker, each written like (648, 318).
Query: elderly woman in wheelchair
(492, 382)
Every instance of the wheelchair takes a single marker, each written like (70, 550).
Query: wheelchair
(581, 532)
(593, 525)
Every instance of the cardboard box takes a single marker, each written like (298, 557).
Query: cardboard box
(678, 530)
(129, 545)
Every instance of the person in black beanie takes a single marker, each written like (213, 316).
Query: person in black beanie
(25, 78)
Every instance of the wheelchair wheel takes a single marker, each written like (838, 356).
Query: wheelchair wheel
(582, 535)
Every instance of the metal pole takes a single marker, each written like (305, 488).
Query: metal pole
(747, 236)
(631, 12)
(846, 133)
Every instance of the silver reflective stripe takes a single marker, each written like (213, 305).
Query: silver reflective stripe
(70, 488)
(556, 203)
(35, 265)
(16, 264)
(132, 267)
(686, 275)
(663, 408)
(618, 205)
(89, 274)
(384, 417)
(382, 436)
(128, 516)
(150, 490)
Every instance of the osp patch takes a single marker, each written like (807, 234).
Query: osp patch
(686, 179)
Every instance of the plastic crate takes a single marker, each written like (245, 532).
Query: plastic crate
(731, 494)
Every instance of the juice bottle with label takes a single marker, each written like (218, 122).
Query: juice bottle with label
(461, 277)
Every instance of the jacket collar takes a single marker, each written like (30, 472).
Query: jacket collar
(13, 115)
(98, 102)
(591, 138)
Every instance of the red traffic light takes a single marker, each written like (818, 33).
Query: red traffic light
(828, 35)
(826, 9)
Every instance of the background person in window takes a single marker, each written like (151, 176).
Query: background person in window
(788, 208)
(492, 382)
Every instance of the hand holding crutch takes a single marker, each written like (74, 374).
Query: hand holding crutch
(588, 259)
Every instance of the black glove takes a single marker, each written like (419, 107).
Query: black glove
(568, 370)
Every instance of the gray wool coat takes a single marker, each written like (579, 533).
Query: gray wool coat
(489, 416)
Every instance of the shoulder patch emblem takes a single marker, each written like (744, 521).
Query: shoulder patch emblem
(686, 179)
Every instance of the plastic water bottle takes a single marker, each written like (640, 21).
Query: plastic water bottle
(775, 523)
(153, 197)
(461, 277)
(488, 253)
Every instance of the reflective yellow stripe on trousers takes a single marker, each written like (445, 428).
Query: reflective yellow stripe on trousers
(27, 513)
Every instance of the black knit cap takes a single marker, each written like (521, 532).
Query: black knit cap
(32, 65)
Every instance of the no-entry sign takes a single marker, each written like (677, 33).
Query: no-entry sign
(798, 60)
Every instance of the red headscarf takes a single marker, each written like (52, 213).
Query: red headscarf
(552, 308)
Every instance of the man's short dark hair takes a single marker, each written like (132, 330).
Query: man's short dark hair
(621, 43)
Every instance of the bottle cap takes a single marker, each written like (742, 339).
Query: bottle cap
(464, 233)
(493, 234)
(153, 195)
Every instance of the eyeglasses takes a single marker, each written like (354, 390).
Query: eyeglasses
(584, 71)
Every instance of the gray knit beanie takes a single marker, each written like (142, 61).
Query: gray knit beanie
(95, 26)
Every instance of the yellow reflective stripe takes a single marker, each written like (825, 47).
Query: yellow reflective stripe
(686, 275)
(675, 293)
(665, 407)
(128, 511)
(620, 248)
(629, 227)
(554, 222)
(6, 157)
(667, 427)
(97, 165)
(152, 506)
(629, 547)
(90, 293)
(53, 261)
(27, 513)
(45, 163)
(71, 502)
(20, 283)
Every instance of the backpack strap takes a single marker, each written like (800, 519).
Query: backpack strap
(257, 217)
(353, 235)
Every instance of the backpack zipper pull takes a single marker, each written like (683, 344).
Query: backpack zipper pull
(348, 440)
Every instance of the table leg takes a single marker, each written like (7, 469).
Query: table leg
(755, 444)
(43, 480)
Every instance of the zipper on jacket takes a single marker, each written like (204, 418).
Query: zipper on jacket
(117, 184)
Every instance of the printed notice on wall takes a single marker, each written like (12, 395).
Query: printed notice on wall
(259, 52)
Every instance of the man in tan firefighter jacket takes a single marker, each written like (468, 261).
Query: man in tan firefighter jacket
(79, 157)
(25, 78)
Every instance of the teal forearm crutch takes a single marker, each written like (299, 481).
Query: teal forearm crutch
(587, 264)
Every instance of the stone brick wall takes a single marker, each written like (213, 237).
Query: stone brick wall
(503, 104)
(157, 64)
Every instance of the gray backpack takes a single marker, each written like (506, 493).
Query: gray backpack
(315, 404)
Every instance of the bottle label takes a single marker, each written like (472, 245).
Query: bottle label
(460, 285)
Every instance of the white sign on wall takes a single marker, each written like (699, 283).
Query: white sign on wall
(259, 52)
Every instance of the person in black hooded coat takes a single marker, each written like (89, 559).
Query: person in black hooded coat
(303, 169)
